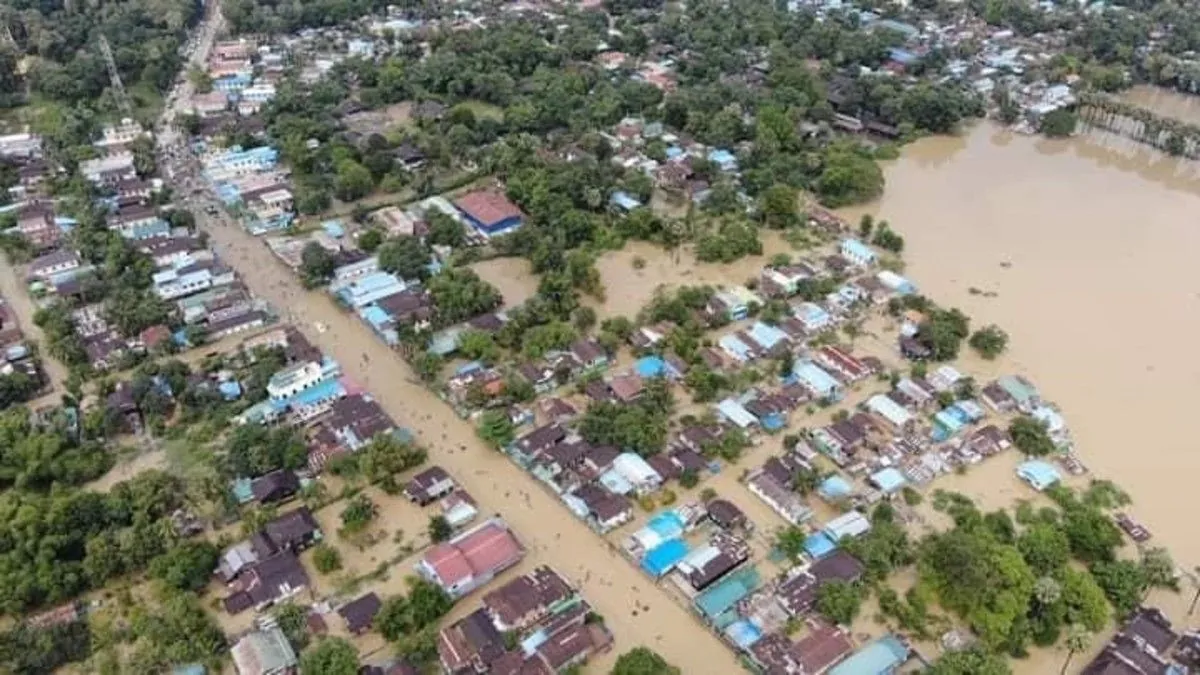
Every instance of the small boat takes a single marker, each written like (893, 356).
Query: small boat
(1136, 531)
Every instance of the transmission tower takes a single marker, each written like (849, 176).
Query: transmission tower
(115, 77)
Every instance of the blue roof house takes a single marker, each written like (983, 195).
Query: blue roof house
(655, 366)
(1040, 475)
(881, 657)
(734, 412)
(723, 159)
(858, 253)
(733, 346)
(902, 56)
(766, 335)
(367, 289)
(814, 316)
(888, 480)
(816, 380)
(624, 201)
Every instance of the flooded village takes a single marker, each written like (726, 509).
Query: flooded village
(355, 361)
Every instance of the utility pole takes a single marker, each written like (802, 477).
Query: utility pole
(115, 77)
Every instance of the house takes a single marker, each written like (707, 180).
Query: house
(890, 413)
(53, 264)
(624, 201)
(534, 443)
(857, 252)
(637, 472)
(360, 613)
(733, 303)
(847, 526)
(1143, 646)
(470, 645)
(813, 318)
(265, 652)
(606, 510)
(789, 505)
(1040, 475)
(275, 487)
(798, 588)
(725, 514)
(472, 558)
(816, 380)
(293, 531)
(357, 419)
(528, 599)
(734, 412)
(429, 485)
(271, 579)
(821, 647)
(489, 212)
(881, 657)
(839, 362)
(627, 388)
(589, 354)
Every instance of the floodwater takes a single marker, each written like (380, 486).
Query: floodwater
(633, 274)
(1165, 102)
(1088, 246)
(636, 611)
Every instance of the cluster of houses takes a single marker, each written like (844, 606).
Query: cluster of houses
(208, 298)
(673, 171)
(536, 624)
(250, 183)
(15, 355)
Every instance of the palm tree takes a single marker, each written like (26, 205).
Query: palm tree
(1047, 591)
(1078, 639)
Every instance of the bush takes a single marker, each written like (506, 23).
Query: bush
(326, 559)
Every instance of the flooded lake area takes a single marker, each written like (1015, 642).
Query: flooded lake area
(1084, 251)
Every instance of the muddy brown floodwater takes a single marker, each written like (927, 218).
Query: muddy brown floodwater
(1089, 245)
(637, 612)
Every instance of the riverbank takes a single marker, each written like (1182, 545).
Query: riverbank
(1082, 250)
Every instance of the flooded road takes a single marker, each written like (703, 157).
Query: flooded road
(13, 289)
(1089, 245)
(635, 610)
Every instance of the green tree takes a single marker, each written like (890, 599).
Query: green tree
(942, 332)
(973, 661)
(352, 181)
(188, 566)
(839, 601)
(1030, 436)
(989, 341)
(1159, 569)
(1123, 581)
(848, 177)
(1058, 123)
(330, 656)
(1045, 547)
(778, 206)
(1078, 639)
(790, 542)
(316, 264)
(405, 257)
(643, 661)
(439, 529)
(806, 480)
(496, 429)
(359, 513)
(370, 239)
(326, 558)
